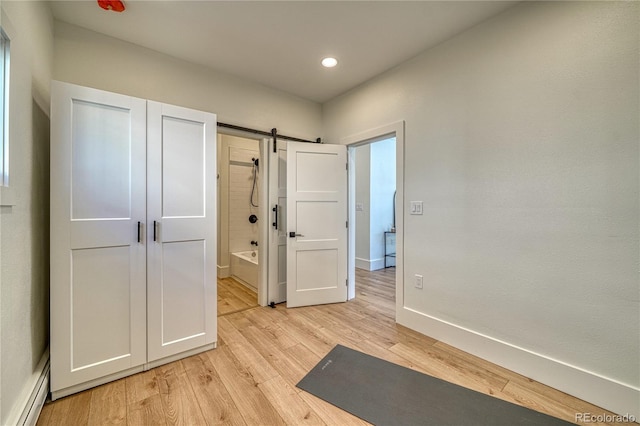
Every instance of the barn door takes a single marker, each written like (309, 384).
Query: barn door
(316, 224)
(277, 223)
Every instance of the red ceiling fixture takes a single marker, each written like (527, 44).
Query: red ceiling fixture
(115, 5)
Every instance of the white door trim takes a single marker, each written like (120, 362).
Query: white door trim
(371, 135)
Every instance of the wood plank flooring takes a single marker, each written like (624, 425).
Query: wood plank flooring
(234, 297)
(263, 352)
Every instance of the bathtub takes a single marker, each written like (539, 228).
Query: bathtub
(244, 268)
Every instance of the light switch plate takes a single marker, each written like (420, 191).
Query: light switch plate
(418, 282)
(416, 207)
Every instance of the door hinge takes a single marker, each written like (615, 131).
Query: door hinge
(346, 282)
(347, 224)
(347, 166)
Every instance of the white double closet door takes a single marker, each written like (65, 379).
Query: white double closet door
(133, 235)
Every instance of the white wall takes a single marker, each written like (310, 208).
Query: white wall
(24, 261)
(363, 198)
(382, 187)
(90, 59)
(375, 184)
(522, 140)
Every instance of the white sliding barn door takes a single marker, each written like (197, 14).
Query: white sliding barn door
(98, 184)
(181, 234)
(316, 224)
(278, 223)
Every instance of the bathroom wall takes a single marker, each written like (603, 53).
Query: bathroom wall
(234, 185)
(241, 230)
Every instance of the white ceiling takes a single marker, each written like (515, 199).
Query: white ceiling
(280, 43)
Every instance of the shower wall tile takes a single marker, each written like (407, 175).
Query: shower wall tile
(241, 231)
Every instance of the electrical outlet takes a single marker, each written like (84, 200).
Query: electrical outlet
(418, 281)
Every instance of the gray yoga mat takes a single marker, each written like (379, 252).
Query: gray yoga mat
(383, 393)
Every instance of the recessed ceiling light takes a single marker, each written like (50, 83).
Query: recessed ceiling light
(329, 62)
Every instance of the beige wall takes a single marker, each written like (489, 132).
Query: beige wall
(91, 59)
(522, 140)
(24, 227)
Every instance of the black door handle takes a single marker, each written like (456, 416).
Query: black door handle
(275, 210)
(293, 234)
(139, 231)
(154, 230)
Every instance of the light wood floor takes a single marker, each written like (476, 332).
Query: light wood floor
(263, 352)
(234, 297)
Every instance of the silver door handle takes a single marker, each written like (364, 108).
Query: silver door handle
(293, 235)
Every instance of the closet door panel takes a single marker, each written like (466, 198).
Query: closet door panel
(181, 171)
(98, 267)
(183, 162)
(101, 161)
(101, 308)
(183, 273)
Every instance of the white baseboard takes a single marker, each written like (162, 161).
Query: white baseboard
(362, 264)
(246, 283)
(604, 392)
(369, 265)
(28, 408)
(224, 271)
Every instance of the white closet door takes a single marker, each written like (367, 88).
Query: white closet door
(98, 186)
(181, 172)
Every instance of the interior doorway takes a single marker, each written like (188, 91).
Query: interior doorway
(375, 164)
(375, 199)
(388, 237)
(240, 181)
(267, 169)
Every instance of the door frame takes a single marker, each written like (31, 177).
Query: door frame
(263, 202)
(396, 129)
(365, 137)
